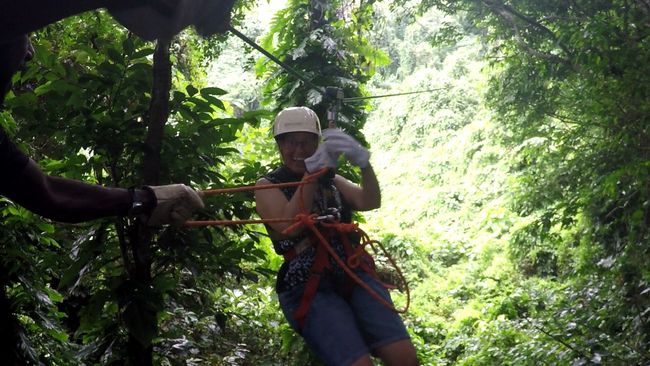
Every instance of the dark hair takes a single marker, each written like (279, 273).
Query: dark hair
(283, 136)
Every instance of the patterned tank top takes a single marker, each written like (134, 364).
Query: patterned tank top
(296, 271)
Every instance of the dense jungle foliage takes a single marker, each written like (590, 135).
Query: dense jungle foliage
(515, 175)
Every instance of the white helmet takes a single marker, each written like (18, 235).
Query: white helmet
(296, 119)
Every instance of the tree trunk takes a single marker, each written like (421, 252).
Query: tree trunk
(9, 326)
(142, 354)
(158, 112)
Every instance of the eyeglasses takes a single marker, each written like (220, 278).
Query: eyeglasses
(294, 143)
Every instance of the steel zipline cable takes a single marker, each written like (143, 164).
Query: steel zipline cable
(268, 54)
(324, 91)
(357, 99)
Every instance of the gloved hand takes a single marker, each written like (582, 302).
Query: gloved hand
(175, 204)
(153, 19)
(322, 158)
(338, 142)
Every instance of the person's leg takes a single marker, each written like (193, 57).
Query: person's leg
(382, 328)
(330, 330)
(364, 360)
(400, 353)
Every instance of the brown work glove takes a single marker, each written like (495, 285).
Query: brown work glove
(153, 19)
(175, 203)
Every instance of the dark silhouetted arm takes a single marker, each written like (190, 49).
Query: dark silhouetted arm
(63, 199)
(21, 17)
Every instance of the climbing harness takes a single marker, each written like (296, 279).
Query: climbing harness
(319, 227)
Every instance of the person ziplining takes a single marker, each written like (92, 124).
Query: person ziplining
(339, 319)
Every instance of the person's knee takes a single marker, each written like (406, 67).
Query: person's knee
(400, 353)
(363, 361)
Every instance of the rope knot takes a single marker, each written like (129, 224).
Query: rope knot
(302, 219)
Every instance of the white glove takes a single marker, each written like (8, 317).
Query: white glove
(149, 22)
(322, 158)
(175, 204)
(338, 142)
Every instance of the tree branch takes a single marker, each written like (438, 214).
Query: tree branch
(511, 15)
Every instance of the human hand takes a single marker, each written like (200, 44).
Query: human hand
(338, 142)
(153, 19)
(322, 158)
(175, 204)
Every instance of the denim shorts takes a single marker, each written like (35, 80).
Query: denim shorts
(340, 331)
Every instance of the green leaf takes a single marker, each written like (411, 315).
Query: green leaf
(191, 90)
(212, 91)
(143, 52)
(215, 102)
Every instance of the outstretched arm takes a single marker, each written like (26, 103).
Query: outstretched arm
(67, 200)
(21, 17)
(149, 19)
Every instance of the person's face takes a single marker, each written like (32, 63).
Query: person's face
(13, 55)
(295, 147)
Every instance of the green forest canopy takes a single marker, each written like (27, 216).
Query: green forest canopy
(515, 194)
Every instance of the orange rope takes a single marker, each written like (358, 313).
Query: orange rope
(211, 192)
(306, 180)
(309, 220)
(234, 222)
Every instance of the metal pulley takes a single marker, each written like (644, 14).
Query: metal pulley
(335, 95)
